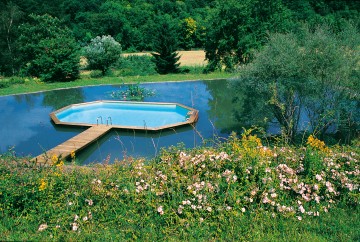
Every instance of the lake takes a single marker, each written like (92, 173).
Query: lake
(28, 130)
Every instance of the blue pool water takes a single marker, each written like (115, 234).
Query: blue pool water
(125, 114)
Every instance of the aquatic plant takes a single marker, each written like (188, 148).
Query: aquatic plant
(132, 92)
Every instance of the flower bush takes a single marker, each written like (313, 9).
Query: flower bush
(203, 189)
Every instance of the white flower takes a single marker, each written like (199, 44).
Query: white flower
(301, 208)
(318, 177)
(160, 210)
(243, 210)
(89, 201)
(209, 209)
(74, 226)
(42, 227)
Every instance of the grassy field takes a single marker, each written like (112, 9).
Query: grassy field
(187, 58)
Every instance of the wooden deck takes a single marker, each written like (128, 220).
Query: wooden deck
(74, 144)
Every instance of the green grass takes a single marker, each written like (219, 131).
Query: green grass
(151, 200)
(32, 86)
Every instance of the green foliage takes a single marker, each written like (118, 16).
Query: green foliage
(133, 92)
(165, 56)
(238, 28)
(96, 74)
(48, 50)
(313, 70)
(10, 16)
(102, 53)
(136, 65)
(242, 190)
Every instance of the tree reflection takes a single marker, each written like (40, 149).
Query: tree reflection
(235, 105)
(61, 98)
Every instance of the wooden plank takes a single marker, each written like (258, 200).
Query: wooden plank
(74, 144)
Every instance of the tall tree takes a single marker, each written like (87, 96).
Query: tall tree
(10, 16)
(166, 57)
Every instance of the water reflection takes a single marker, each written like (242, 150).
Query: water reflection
(223, 106)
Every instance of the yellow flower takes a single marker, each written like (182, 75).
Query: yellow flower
(317, 144)
(72, 154)
(54, 158)
(43, 184)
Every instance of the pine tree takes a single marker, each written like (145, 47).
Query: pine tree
(165, 43)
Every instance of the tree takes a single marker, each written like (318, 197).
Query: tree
(9, 19)
(102, 53)
(165, 39)
(48, 49)
(314, 71)
(238, 28)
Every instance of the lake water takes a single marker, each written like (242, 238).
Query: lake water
(28, 130)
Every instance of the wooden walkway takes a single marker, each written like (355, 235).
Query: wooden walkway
(74, 144)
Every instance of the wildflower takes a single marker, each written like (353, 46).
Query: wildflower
(89, 202)
(160, 210)
(72, 154)
(60, 164)
(318, 177)
(265, 200)
(85, 218)
(74, 226)
(180, 209)
(301, 208)
(43, 184)
(42, 227)
(209, 209)
(76, 217)
(201, 220)
(89, 215)
(299, 218)
(243, 210)
(54, 158)
(70, 203)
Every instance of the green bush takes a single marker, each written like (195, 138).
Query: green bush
(4, 83)
(17, 80)
(136, 65)
(96, 74)
(102, 53)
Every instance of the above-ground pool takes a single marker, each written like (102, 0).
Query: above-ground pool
(127, 115)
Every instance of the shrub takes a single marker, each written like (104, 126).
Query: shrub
(136, 65)
(102, 53)
(96, 74)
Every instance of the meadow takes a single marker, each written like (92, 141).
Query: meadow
(241, 190)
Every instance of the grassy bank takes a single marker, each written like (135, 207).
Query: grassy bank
(34, 85)
(241, 190)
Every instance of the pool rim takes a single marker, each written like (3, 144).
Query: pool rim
(193, 116)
